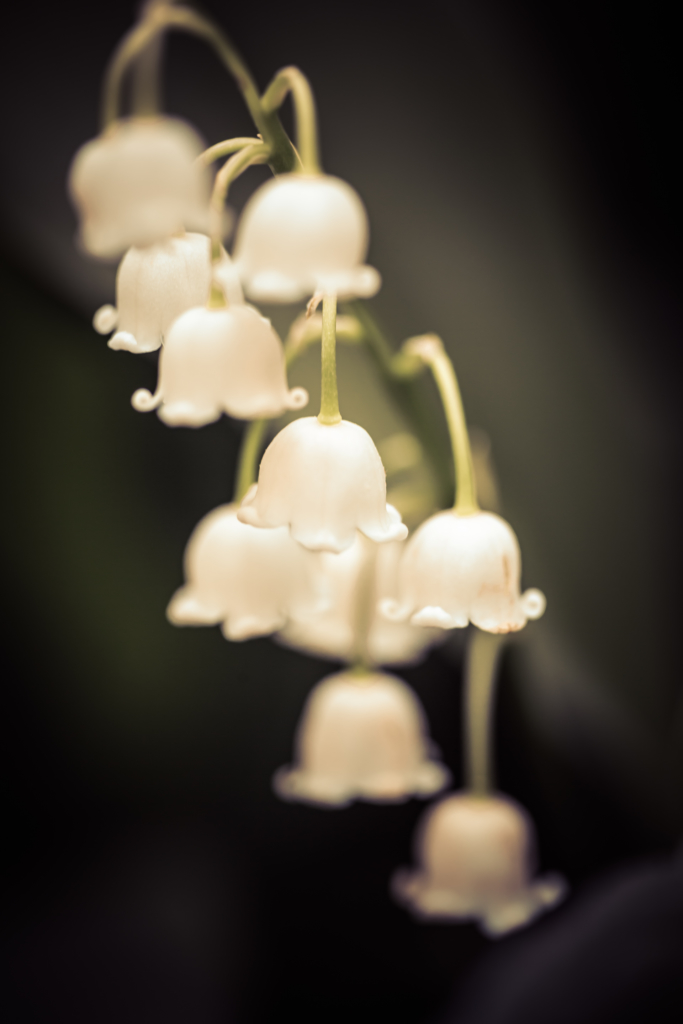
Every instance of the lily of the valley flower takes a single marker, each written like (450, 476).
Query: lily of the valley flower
(301, 234)
(324, 482)
(220, 360)
(138, 183)
(361, 736)
(154, 286)
(333, 632)
(249, 581)
(476, 863)
(463, 568)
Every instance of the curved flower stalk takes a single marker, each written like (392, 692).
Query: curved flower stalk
(361, 736)
(476, 863)
(334, 632)
(138, 183)
(154, 286)
(251, 582)
(302, 234)
(220, 360)
(324, 482)
(459, 569)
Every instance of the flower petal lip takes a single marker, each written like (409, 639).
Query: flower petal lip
(476, 862)
(464, 568)
(137, 183)
(248, 581)
(361, 737)
(154, 286)
(300, 234)
(324, 482)
(220, 360)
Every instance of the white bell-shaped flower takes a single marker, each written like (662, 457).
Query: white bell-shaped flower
(248, 581)
(324, 482)
(476, 856)
(154, 286)
(361, 736)
(333, 632)
(301, 234)
(138, 183)
(463, 568)
(220, 360)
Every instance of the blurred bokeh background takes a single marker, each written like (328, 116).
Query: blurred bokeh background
(520, 165)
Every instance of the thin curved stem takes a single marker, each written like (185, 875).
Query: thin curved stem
(163, 17)
(255, 153)
(481, 669)
(287, 80)
(329, 397)
(225, 148)
(430, 349)
(252, 443)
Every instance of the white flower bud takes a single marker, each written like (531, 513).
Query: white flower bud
(137, 184)
(301, 234)
(361, 737)
(324, 482)
(476, 856)
(458, 569)
(153, 287)
(249, 581)
(332, 632)
(220, 360)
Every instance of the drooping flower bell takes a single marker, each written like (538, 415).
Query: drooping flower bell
(361, 736)
(220, 360)
(357, 579)
(304, 233)
(476, 857)
(463, 568)
(249, 581)
(154, 286)
(324, 482)
(138, 183)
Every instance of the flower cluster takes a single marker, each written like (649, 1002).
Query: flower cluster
(309, 550)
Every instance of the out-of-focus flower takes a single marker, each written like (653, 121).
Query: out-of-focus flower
(300, 234)
(324, 482)
(476, 863)
(333, 632)
(250, 581)
(361, 736)
(458, 569)
(153, 287)
(220, 360)
(138, 183)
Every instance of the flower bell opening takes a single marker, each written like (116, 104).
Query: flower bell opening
(361, 736)
(324, 482)
(137, 184)
(304, 234)
(476, 863)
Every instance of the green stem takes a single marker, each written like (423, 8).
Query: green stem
(225, 148)
(256, 153)
(157, 21)
(481, 668)
(252, 442)
(365, 602)
(430, 349)
(402, 374)
(292, 80)
(329, 398)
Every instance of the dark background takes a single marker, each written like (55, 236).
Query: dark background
(521, 166)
